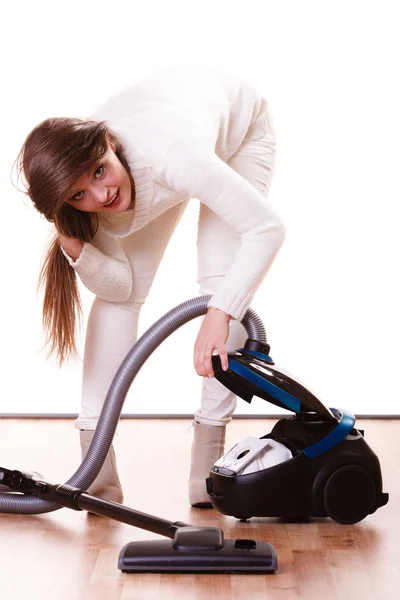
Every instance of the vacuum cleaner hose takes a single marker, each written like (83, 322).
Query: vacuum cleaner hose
(112, 408)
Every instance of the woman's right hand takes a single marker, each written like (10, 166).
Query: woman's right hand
(72, 246)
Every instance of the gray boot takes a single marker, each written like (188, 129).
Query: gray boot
(107, 484)
(208, 445)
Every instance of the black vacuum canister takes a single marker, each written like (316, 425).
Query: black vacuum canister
(326, 468)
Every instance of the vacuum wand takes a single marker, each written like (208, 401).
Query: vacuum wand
(78, 499)
(192, 550)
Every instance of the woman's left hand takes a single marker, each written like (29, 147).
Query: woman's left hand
(213, 334)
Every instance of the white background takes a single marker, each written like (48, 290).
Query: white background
(330, 73)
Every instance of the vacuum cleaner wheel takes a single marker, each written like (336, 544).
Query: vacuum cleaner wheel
(349, 494)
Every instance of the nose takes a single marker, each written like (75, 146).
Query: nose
(100, 194)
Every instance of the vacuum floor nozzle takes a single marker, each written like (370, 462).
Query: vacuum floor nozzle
(198, 550)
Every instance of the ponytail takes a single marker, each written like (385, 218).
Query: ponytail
(62, 308)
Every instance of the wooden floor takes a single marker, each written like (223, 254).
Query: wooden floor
(68, 555)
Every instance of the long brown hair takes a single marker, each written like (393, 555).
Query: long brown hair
(54, 155)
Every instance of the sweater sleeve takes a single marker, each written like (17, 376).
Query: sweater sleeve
(103, 268)
(193, 168)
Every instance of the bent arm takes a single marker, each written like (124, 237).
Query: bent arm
(103, 268)
(192, 168)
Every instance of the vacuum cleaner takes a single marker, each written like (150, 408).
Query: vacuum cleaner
(313, 437)
(313, 464)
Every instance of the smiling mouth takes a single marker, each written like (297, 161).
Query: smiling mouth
(113, 200)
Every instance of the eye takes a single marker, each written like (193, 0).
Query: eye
(99, 171)
(77, 196)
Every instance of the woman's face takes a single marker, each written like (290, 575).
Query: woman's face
(106, 188)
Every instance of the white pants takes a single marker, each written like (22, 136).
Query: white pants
(112, 327)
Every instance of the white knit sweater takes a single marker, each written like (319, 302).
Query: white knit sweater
(178, 128)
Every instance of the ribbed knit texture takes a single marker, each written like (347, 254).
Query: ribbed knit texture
(104, 268)
(178, 128)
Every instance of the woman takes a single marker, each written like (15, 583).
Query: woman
(115, 186)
